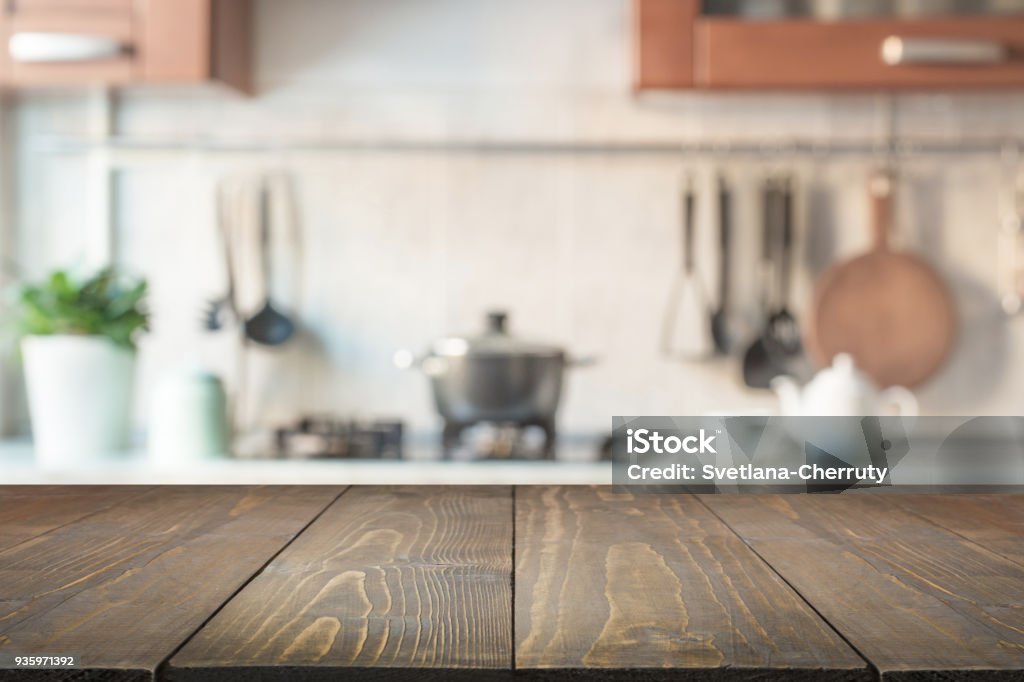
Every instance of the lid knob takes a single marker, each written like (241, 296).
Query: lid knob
(496, 321)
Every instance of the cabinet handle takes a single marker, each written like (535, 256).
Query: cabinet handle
(901, 51)
(32, 46)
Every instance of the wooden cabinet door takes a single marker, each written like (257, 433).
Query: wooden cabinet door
(114, 42)
(175, 40)
(951, 53)
(194, 41)
(69, 41)
(678, 47)
(663, 41)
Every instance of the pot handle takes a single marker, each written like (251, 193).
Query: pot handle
(583, 361)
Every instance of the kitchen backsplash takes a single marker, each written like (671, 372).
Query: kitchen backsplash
(400, 247)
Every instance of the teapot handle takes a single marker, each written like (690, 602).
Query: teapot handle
(901, 398)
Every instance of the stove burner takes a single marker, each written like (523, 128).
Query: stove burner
(332, 437)
(499, 440)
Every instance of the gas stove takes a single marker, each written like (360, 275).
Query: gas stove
(498, 440)
(335, 437)
(328, 437)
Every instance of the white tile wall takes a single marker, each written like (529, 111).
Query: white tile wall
(402, 247)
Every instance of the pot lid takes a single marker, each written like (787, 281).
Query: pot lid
(495, 340)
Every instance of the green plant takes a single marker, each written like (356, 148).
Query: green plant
(102, 305)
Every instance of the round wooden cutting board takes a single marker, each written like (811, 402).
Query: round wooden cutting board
(889, 310)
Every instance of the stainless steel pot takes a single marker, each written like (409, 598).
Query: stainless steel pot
(493, 377)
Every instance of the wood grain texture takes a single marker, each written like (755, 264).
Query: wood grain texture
(387, 580)
(626, 582)
(995, 522)
(123, 588)
(917, 600)
(30, 511)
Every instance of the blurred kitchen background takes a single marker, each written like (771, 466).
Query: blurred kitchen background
(432, 161)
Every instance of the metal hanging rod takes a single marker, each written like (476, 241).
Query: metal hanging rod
(763, 148)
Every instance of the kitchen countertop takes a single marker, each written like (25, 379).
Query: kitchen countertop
(19, 467)
(488, 582)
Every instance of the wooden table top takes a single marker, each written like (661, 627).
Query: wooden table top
(476, 583)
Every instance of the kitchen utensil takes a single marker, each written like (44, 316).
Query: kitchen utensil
(761, 361)
(686, 327)
(720, 315)
(841, 390)
(1011, 245)
(220, 311)
(269, 326)
(493, 376)
(889, 310)
(783, 331)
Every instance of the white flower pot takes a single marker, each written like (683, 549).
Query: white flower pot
(79, 397)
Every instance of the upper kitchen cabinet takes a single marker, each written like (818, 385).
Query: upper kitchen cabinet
(117, 42)
(829, 44)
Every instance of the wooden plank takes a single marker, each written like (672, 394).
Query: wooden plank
(123, 588)
(625, 582)
(995, 522)
(30, 511)
(917, 600)
(388, 579)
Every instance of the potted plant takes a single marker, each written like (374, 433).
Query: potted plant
(78, 347)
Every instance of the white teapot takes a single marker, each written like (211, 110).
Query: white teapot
(842, 391)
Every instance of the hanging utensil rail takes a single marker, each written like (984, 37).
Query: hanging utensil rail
(753, 148)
